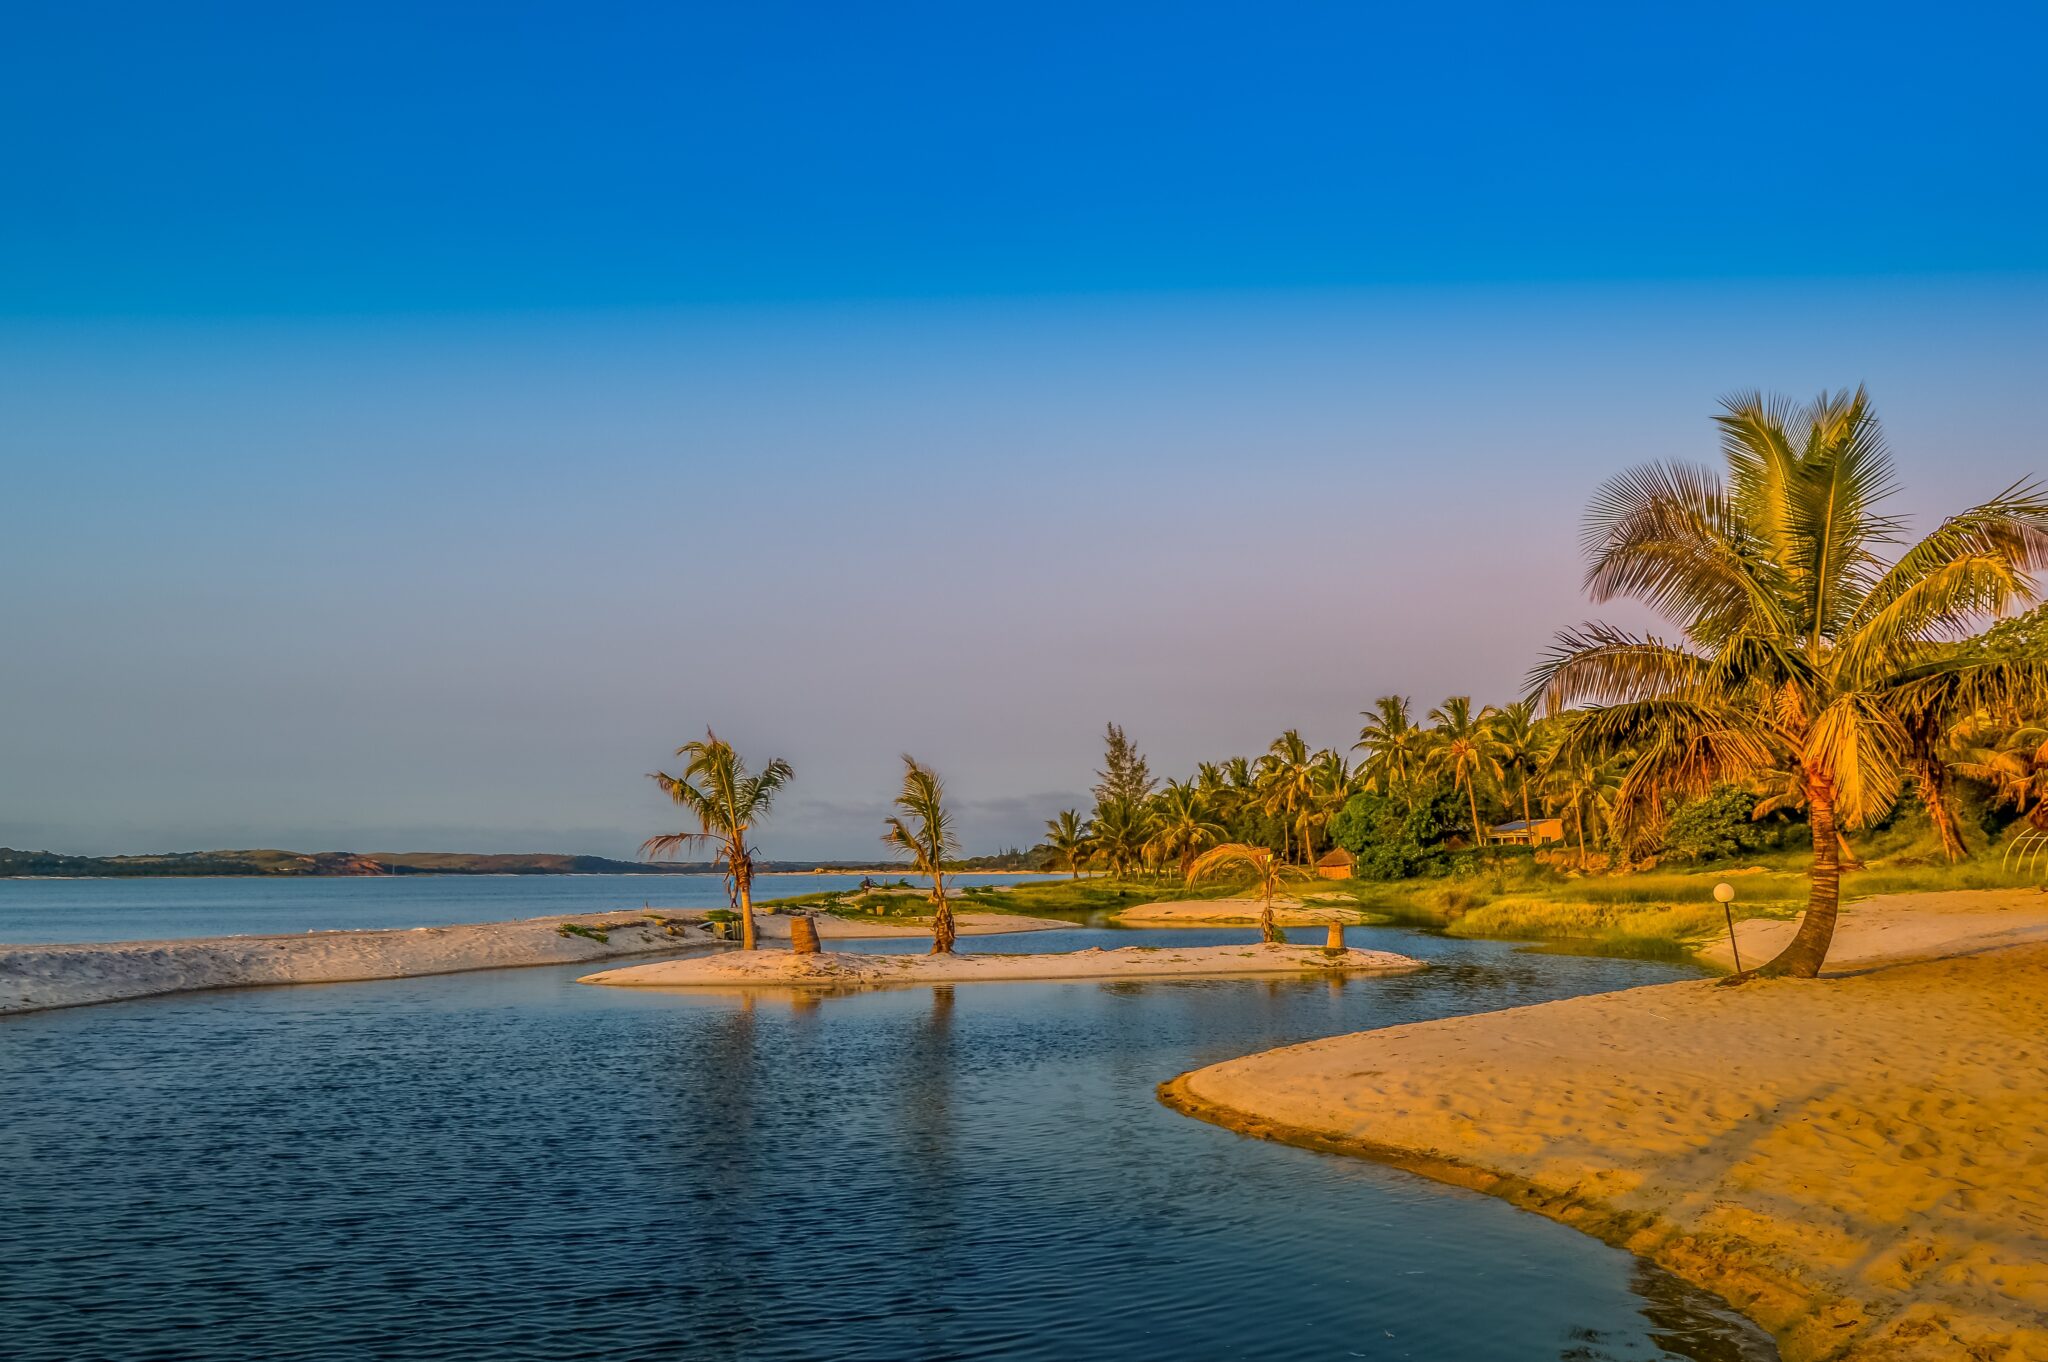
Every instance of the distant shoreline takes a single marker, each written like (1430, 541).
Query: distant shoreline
(273, 864)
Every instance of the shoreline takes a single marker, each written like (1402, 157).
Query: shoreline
(835, 970)
(1852, 1162)
(41, 977)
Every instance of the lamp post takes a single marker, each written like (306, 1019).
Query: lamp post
(1724, 892)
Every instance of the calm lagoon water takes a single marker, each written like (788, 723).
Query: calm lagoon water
(509, 1165)
(149, 909)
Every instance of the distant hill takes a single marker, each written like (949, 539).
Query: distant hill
(15, 864)
(281, 863)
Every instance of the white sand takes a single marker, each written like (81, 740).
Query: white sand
(36, 977)
(1235, 913)
(1860, 1163)
(829, 969)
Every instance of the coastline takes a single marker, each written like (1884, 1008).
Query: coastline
(1855, 1162)
(35, 978)
(1237, 912)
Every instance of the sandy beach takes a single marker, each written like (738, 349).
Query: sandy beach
(829, 969)
(1859, 1163)
(1235, 913)
(45, 976)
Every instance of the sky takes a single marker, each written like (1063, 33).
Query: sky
(414, 426)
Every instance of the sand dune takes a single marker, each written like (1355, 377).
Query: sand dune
(1860, 1163)
(829, 969)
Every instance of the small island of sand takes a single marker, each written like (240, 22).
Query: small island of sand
(1856, 1162)
(829, 969)
(1236, 912)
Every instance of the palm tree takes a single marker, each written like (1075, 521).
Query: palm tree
(725, 799)
(1287, 782)
(1464, 750)
(1584, 788)
(1068, 834)
(1801, 648)
(924, 831)
(1393, 745)
(1267, 869)
(1519, 746)
(1181, 825)
(1120, 832)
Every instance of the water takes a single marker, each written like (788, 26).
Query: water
(508, 1165)
(151, 909)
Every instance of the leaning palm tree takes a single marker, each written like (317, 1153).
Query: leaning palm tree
(725, 798)
(1463, 749)
(924, 831)
(1804, 646)
(1069, 835)
(1266, 868)
(1181, 825)
(1393, 745)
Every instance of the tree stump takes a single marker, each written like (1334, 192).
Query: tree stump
(1335, 940)
(803, 935)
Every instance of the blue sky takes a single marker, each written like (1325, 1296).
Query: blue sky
(413, 426)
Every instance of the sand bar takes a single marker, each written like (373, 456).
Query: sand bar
(1236, 913)
(1903, 927)
(45, 976)
(831, 969)
(1859, 1163)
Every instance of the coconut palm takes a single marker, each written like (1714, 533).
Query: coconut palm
(1584, 789)
(1394, 746)
(1120, 833)
(924, 832)
(1181, 825)
(1287, 787)
(1519, 746)
(1803, 646)
(1267, 870)
(1068, 834)
(1463, 749)
(726, 799)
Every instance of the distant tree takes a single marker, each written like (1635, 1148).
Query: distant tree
(1394, 747)
(1120, 833)
(1464, 752)
(1181, 825)
(1069, 837)
(717, 790)
(1520, 747)
(1716, 826)
(924, 831)
(1124, 777)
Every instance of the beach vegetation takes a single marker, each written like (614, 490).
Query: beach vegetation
(922, 829)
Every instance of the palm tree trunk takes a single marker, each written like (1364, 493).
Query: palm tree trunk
(1472, 793)
(1269, 931)
(942, 916)
(743, 880)
(1527, 822)
(1581, 812)
(1809, 949)
(1931, 779)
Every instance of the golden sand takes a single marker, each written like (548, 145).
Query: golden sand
(1860, 1163)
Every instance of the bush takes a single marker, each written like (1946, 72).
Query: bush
(1718, 826)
